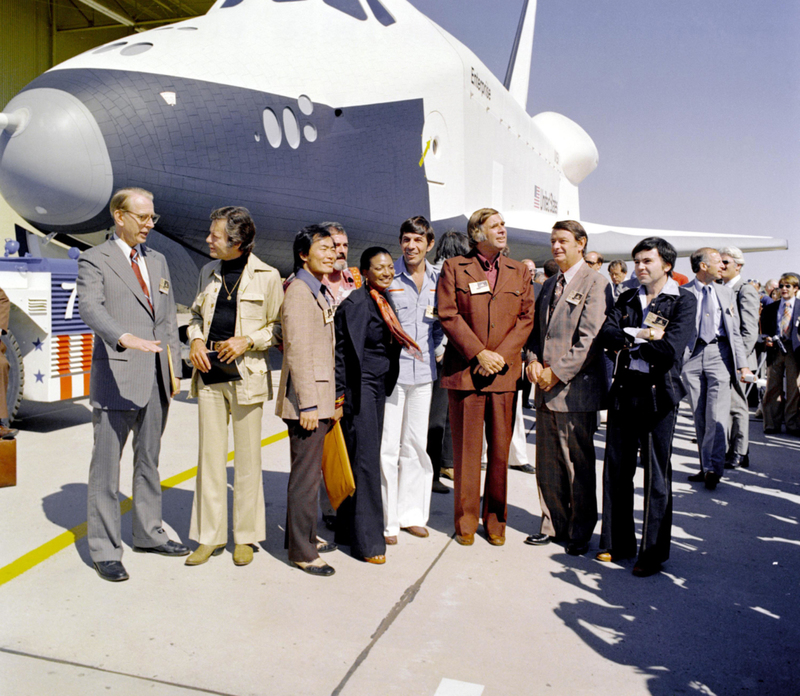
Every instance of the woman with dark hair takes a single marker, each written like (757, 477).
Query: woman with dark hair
(368, 343)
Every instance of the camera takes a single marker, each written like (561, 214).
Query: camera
(778, 342)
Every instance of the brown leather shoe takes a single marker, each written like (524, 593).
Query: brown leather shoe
(377, 560)
(390, 540)
(416, 531)
(465, 539)
(495, 540)
(7, 433)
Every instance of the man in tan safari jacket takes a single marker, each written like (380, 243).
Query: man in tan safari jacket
(235, 318)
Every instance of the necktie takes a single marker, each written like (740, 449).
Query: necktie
(394, 325)
(137, 271)
(557, 292)
(707, 328)
(786, 320)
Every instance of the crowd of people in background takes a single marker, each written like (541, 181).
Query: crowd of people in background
(427, 367)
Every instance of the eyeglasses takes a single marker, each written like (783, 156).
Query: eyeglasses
(786, 285)
(144, 219)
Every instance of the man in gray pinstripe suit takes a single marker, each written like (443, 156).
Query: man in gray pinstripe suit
(126, 298)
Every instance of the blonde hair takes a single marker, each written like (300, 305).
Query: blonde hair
(120, 198)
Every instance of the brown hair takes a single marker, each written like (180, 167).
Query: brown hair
(576, 229)
(476, 220)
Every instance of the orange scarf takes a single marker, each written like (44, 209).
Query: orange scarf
(394, 325)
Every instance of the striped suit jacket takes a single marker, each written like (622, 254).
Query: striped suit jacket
(112, 303)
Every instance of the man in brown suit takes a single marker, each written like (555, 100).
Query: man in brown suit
(486, 309)
(566, 364)
(306, 395)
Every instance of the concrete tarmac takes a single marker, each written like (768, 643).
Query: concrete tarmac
(437, 619)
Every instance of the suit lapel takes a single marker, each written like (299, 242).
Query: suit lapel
(358, 328)
(473, 269)
(154, 270)
(574, 285)
(122, 267)
(505, 271)
(547, 293)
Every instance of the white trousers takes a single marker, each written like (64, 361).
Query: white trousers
(217, 405)
(406, 469)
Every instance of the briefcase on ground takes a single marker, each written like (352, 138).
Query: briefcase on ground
(8, 463)
(336, 470)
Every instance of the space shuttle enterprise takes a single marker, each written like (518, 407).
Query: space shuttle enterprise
(361, 111)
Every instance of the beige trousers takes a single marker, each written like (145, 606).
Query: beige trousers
(217, 406)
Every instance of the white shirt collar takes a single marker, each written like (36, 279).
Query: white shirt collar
(570, 273)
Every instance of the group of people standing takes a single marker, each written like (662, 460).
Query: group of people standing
(370, 347)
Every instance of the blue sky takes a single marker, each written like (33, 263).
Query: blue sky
(694, 106)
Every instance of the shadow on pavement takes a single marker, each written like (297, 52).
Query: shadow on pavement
(723, 617)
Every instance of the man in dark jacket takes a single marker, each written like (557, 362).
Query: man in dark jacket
(646, 334)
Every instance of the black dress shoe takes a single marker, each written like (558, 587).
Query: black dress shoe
(734, 462)
(577, 548)
(538, 539)
(330, 522)
(699, 477)
(746, 461)
(711, 480)
(113, 571)
(772, 431)
(645, 570)
(323, 571)
(524, 468)
(170, 548)
(794, 432)
(439, 487)
(326, 546)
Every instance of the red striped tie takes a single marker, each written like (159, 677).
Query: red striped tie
(138, 272)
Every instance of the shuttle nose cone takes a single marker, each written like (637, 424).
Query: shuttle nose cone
(54, 164)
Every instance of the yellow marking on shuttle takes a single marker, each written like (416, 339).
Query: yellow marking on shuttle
(62, 541)
(427, 147)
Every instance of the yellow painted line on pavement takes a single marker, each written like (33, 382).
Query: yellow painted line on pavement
(71, 536)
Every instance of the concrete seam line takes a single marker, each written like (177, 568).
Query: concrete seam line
(406, 599)
(71, 536)
(70, 663)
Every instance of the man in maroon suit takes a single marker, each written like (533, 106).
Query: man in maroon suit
(486, 309)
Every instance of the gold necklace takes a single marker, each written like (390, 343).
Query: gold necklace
(233, 289)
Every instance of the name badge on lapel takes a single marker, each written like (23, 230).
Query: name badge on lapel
(163, 286)
(575, 298)
(655, 321)
(431, 312)
(479, 286)
(329, 312)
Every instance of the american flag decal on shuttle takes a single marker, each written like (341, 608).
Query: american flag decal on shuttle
(71, 364)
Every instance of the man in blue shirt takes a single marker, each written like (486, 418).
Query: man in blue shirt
(406, 469)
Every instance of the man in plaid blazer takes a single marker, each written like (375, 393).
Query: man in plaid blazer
(566, 364)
